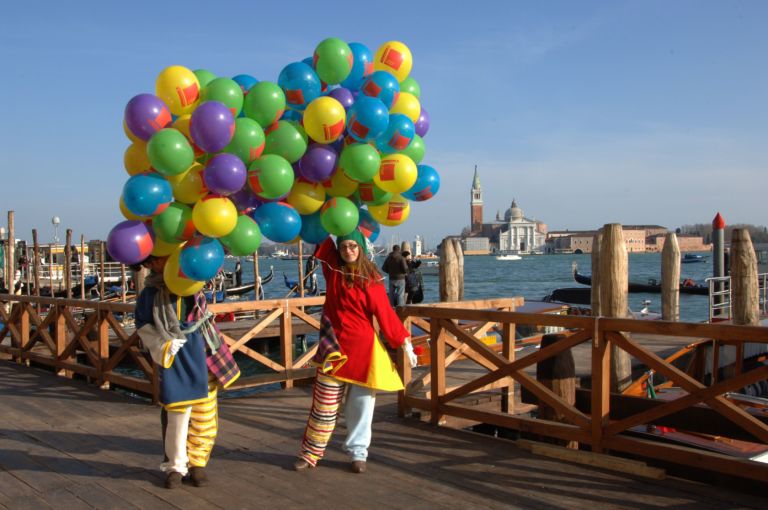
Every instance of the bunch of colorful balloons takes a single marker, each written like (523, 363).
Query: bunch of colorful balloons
(336, 143)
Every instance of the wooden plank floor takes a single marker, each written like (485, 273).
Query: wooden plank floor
(64, 444)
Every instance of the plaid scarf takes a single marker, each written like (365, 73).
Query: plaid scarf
(328, 357)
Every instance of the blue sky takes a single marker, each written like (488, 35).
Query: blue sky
(585, 112)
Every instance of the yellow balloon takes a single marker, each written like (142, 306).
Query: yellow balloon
(128, 215)
(408, 105)
(174, 279)
(214, 216)
(163, 248)
(397, 173)
(130, 135)
(135, 158)
(339, 185)
(306, 197)
(178, 87)
(189, 187)
(394, 57)
(324, 119)
(392, 213)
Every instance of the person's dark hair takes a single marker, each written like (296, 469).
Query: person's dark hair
(406, 254)
(137, 267)
(396, 248)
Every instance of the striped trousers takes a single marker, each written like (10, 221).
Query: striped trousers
(326, 398)
(191, 433)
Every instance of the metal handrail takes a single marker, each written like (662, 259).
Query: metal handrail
(720, 296)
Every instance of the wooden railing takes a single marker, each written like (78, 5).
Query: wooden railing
(454, 330)
(90, 338)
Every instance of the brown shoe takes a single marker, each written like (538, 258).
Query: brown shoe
(302, 465)
(358, 466)
(173, 480)
(198, 476)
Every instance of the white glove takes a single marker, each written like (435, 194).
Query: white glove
(412, 358)
(176, 345)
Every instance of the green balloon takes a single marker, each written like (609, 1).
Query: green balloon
(204, 77)
(169, 152)
(270, 176)
(360, 161)
(248, 140)
(288, 139)
(339, 216)
(226, 91)
(332, 60)
(411, 86)
(174, 224)
(415, 150)
(265, 103)
(245, 239)
(370, 194)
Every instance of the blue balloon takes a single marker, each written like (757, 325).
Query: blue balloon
(382, 85)
(426, 185)
(398, 136)
(246, 81)
(147, 194)
(291, 115)
(312, 230)
(367, 119)
(278, 221)
(368, 226)
(201, 258)
(362, 66)
(300, 84)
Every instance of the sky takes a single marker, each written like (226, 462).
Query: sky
(586, 113)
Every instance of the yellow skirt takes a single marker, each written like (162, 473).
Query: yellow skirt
(382, 373)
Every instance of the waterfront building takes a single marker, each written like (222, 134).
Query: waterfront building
(637, 238)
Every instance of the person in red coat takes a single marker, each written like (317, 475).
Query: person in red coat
(350, 353)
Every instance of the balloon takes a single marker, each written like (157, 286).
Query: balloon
(324, 119)
(178, 87)
(201, 258)
(306, 197)
(214, 216)
(245, 200)
(244, 239)
(382, 85)
(397, 136)
(265, 103)
(147, 194)
(130, 242)
(415, 150)
(332, 60)
(300, 84)
(312, 230)
(367, 119)
(360, 161)
(212, 126)
(368, 226)
(270, 176)
(127, 214)
(204, 77)
(343, 96)
(411, 86)
(339, 185)
(369, 193)
(224, 174)
(278, 221)
(245, 81)
(339, 216)
(397, 173)
(318, 163)
(362, 66)
(426, 185)
(189, 187)
(394, 57)
(226, 92)
(174, 278)
(294, 115)
(169, 152)
(422, 124)
(408, 105)
(133, 138)
(181, 124)
(248, 140)
(287, 139)
(392, 213)
(135, 158)
(174, 225)
(162, 248)
(145, 115)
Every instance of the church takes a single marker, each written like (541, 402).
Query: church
(513, 234)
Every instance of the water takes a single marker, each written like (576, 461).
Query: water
(532, 277)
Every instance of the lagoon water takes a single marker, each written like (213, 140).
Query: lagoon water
(532, 277)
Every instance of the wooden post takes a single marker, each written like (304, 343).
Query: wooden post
(449, 289)
(11, 265)
(286, 344)
(558, 373)
(459, 266)
(745, 297)
(50, 268)
(670, 279)
(508, 352)
(256, 282)
(614, 283)
(597, 241)
(82, 266)
(68, 264)
(123, 283)
(101, 269)
(36, 259)
(138, 280)
(301, 269)
(406, 246)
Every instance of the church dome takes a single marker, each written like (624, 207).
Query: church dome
(513, 213)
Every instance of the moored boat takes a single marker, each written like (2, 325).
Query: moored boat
(653, 286)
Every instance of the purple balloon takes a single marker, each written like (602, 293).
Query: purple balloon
(245, 200)
(225, 174)
(145, 115)
(212, 126)
(130, 242)
(343, 96)
(318, 163)
(422, 125)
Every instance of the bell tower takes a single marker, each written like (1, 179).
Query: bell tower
(476, 205)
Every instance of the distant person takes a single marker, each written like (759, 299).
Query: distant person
(238, 274)
(414, 283)
(310, 275)
(396, 268)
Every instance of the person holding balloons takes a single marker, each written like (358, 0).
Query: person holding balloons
(350, 354)
(194, 362)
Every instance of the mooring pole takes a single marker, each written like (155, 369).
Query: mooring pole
(718, 260)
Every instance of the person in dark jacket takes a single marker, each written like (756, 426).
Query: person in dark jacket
(396, 268)
(414, 282)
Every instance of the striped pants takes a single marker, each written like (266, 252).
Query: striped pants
(191, 433)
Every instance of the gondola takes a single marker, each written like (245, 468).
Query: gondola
(222, 294)
(652, 287)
